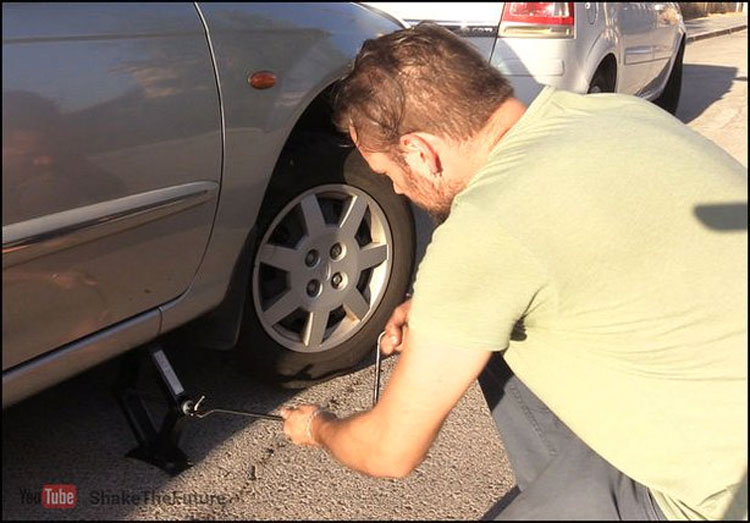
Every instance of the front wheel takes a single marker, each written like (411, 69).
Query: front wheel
(334, 257)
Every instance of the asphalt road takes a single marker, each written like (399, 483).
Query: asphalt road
(75, 434)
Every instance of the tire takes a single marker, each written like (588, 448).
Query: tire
(670, 97)
(603, 81)
(304, 321)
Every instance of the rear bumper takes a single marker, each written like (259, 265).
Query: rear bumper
(530, 63)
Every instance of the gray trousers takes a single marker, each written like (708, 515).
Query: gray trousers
(557, 475)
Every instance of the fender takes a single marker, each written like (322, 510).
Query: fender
(308, 52)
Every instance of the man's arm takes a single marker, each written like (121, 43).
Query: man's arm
(392, 439)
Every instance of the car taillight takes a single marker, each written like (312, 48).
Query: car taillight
(538, 19)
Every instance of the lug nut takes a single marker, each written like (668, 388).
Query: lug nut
(312, 258)
(336, 251)
(313, 287)
(336, 280)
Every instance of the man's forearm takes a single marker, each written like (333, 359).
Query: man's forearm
(394, 437)
(361, 443)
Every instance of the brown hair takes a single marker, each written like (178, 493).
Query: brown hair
(419, 79)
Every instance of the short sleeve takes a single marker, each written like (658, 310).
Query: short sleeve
(474, 283)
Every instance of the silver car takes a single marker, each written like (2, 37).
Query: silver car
(164, 163)
(633, 48)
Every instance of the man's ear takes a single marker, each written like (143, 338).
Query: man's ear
(421, 152)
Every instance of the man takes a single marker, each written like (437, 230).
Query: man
(576, 241)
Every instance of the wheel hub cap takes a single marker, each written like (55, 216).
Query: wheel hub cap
(322, 268)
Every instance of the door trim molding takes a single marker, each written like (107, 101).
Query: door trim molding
(41, 236)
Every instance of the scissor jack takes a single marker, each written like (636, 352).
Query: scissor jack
(161, 447)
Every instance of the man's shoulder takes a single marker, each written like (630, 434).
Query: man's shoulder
(596, 101)
(583, 136)
(477, 232)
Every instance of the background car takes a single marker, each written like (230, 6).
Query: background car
(633, 48)
(165, 163)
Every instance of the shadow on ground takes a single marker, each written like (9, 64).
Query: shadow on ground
(702, 85)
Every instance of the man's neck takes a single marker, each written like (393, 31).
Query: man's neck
(478, 149)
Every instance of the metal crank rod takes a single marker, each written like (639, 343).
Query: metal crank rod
(192, 409)
(160, 446)
(378, 362)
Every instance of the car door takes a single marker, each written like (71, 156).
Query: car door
(635, 23)
(111, 165)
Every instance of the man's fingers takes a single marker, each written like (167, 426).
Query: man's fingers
(399, 316)
(393, 337)
(390, 342)
(401, 313)
(386, 349)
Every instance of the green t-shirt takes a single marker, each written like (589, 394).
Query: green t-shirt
(600, 228)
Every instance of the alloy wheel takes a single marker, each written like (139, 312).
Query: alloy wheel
(322, 268)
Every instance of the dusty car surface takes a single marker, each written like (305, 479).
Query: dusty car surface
(633, 48)
(165, 163)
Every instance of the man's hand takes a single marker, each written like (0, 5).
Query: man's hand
(300, 423)
(395, 329)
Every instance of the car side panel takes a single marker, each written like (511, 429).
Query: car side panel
(51, 368)
(111, 166)
(258, 135)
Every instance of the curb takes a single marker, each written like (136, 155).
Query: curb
(718, 32)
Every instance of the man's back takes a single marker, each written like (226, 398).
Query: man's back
(607, 226)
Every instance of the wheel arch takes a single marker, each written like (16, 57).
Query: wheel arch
(602, 52)
(608, 64)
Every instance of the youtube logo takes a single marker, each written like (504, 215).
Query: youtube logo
(59, 496)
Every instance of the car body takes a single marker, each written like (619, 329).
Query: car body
(624, 47)
(149, 155)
